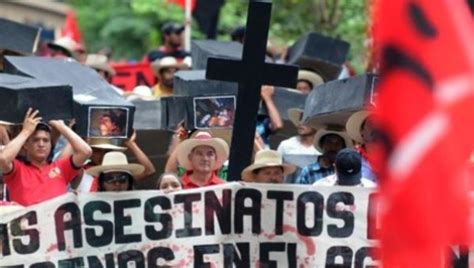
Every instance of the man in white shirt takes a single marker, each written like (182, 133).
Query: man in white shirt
(303, 143)
(348, 168)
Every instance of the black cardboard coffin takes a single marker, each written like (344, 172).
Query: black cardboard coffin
(332, 103)
(18, 37)
(322, 54)
(92, 94)
(18, 93)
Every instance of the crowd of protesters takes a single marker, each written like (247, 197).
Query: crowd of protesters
(35, 170)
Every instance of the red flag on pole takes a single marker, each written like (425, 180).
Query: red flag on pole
(182, 3)
(71, 28)
(425, 110)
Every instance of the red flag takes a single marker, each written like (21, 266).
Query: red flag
(71, 28)
(424, 111)
(182, 3)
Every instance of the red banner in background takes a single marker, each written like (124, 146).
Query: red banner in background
(128, 76)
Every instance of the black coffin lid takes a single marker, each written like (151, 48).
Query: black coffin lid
(201, 50)
(89, 89)
(332, 103)
(18, 93)
(18, 37)
(322, 54)
(194, 83)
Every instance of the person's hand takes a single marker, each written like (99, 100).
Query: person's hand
(181, 132)
(56, 123)
(131, 140)
(31, 121)
(4, 138)
(267, 92)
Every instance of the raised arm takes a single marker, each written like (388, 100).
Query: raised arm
(11, 150)
(82, 150)
(141, 157)
(275, 120)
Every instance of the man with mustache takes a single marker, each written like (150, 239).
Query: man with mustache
(329, 143)
(202, 156)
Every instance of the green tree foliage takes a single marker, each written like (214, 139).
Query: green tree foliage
(131, 27)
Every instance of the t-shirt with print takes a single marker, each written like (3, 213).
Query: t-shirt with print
(28, 184)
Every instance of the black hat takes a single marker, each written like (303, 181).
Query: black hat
(172, 27)
(348, 167)
(238, 33)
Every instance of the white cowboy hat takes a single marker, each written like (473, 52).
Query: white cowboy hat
(99, 62)
(167, 62)
(65, 44)
(116, 162)
(314, 78)
(295, 115)
(323, 132)
(139, 93)
(267, 158)
(202, 138)
(107, 144)
(354, 124)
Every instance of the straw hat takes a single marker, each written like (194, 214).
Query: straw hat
(354, 123)
(65, 44)
(314, 78)
(116, 162)
(267, 158)
(107, 144)
(296, 116)
(167, 62)
(99, 62)
(323, 132)
(202, 138)
(139, 93)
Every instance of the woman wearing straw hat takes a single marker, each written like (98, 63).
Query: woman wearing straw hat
(202, 156)
(268, 167)
(116, 174)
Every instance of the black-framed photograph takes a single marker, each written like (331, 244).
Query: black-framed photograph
(108, 122)
(214, 112)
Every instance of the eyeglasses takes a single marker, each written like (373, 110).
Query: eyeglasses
(119, 177)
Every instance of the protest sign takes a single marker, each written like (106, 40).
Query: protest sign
(239, 224)
(128, 76)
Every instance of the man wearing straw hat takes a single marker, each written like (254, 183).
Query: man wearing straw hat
(164, 69)
(115, 173)
(100, 64)
(202, 156)
(307, 80)
(329, 142)
(359, 128)
(268, 167)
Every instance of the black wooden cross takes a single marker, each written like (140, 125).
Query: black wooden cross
(251, 73)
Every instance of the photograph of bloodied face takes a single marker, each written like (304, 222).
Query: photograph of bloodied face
(108, 122)
(214, 112)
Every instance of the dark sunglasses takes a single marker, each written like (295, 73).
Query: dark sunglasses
(119, 177)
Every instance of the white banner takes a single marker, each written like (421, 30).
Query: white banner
(231, 225)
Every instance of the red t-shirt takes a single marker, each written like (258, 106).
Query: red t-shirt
(189, 184)
(29, 184)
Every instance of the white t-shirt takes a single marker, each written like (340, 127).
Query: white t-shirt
(332, 179)
(294, 146)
